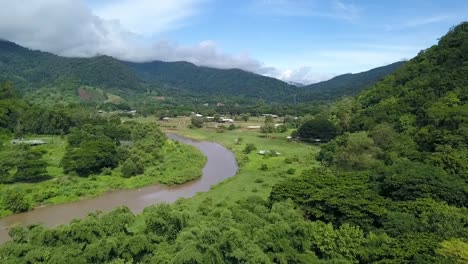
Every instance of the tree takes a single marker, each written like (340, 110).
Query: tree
(245, 117)
(30, 166)
(454, 249)
(196, 122)
(90, 157)
(7, 91)
(318, 128)
(132, 166)
(268, 127)
(357, 152)
(408, 180)
(7, 164)
(22, 164)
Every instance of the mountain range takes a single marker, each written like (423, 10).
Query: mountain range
(32, 70)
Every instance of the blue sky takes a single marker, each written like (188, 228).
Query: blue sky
(297, 40)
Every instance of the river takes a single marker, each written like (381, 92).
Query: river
(221, 164)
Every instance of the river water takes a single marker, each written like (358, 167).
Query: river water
(221, 164)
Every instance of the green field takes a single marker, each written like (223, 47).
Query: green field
(250, 180)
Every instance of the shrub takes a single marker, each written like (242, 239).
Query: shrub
(107, 171)
(132, 166)
(264, 167)
(15, 201)
(249, 148)
(291, 171)
(197, 122)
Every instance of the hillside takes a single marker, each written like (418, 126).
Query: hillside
(210, 81)
(346, 84)
(44, 75)
(400, 168)
(35, 69)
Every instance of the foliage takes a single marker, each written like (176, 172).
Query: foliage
(399, 170)
(14, 200)
(196, 122)
(90, 157)
(22, 164)
(318, 128)
(132, 166)
(347, 84)
(249, 148)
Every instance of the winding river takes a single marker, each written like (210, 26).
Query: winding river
(221, 164)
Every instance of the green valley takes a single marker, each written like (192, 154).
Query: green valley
(369, 167)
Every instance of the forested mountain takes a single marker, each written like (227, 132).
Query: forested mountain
(346, 84)
(204, 80)
(32, 70)
(35, 69)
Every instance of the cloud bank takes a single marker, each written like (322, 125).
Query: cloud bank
(72, 28)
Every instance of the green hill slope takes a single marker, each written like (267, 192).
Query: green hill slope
(210, 81)
(346, 84)
(35, 69)
(45, 73)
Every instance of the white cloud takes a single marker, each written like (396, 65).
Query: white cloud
(71, 28)
(121, 29)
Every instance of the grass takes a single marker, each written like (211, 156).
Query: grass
(180, 163)
(256, 175)
(251, 179)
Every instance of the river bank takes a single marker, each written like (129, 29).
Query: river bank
(220, 165)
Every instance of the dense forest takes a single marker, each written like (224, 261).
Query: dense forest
(391, 188)
(46, 77)
(346, 84)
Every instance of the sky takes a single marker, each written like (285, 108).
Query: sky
(304, 41)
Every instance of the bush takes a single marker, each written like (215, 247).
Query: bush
(232, 127)
(281, 129)
(264, 167)
(107, 171)
(15, 201)
(249, 148)
(132, 166)
(259, 180)
(220, 129)
(197, 122)
(291, 171)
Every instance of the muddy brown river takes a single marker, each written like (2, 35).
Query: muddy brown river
(221, 164)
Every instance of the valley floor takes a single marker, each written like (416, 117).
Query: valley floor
(257, 173)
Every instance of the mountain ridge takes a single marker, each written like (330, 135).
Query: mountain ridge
(33, 69)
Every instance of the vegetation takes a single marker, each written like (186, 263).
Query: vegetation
(319, 128)
(45, 77)
(346, 84)
(397, 170)
(86, 157)
(388, 187)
